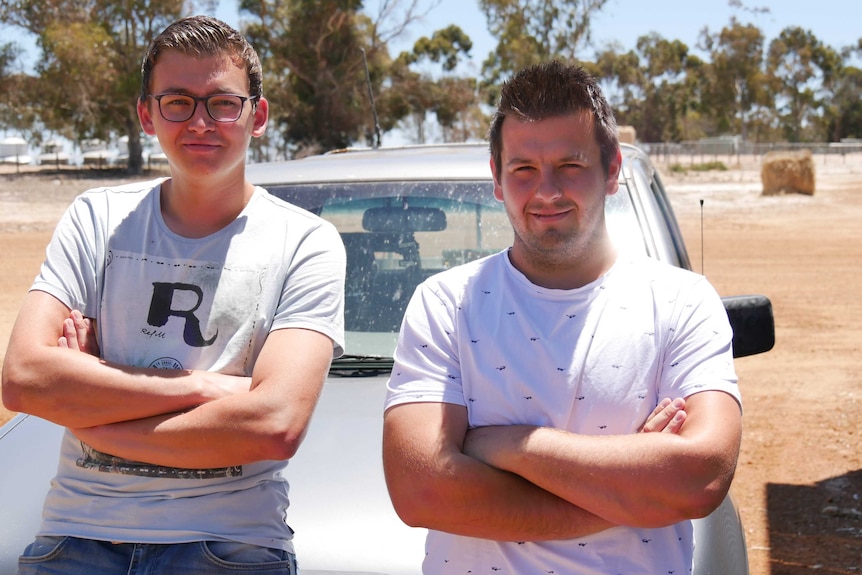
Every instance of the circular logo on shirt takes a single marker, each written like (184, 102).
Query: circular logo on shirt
(166, 363)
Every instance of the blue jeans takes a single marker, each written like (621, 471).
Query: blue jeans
(73, 556)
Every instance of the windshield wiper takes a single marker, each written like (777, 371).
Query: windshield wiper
(360, 365)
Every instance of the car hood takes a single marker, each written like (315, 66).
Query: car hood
(339, 509)
(339, 506)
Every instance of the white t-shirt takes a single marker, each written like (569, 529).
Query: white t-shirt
(166, 301)
(594, 360)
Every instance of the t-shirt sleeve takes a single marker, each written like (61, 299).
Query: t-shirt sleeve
(313, 293)
(70, 269)
(699, 352)
(426, 367)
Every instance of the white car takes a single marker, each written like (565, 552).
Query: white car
(404, 214)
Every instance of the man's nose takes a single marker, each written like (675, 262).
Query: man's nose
(200, 120)
(549, 187)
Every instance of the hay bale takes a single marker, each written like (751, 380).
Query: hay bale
(626, 134)
(787, 173)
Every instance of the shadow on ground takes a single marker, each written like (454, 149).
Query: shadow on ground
(816, 528)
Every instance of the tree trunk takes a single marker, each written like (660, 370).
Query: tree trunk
(136, 158)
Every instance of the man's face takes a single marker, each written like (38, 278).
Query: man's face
(201, 146)
(554, 187)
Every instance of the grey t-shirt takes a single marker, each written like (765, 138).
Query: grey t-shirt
(166, 301)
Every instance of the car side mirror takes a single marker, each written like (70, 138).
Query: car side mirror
(752, 322)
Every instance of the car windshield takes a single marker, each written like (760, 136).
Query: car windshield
(396, 234)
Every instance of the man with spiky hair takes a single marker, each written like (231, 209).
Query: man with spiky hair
(560, 407)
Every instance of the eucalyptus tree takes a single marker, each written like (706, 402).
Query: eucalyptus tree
(736, 76)
(621, 79)
(320, 59)
(16, 111)
(533, 31)
(665, 97)
(451, 98)
(88, 74)
(842, 114)
(801, 71)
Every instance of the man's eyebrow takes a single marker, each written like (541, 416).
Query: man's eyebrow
(573, 157)
(187, 92)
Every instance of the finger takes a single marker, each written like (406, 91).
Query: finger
(663, 414)
(653, 422)
(70, 334)
(676, 422)
(82, 326)
(62, 342)
(659, 408)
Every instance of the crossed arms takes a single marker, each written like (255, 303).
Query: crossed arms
(526, 483)
(179, 418)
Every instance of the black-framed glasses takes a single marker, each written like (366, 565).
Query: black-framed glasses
(220, 107)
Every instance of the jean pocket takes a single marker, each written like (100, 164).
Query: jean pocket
(230, 553)
(43, 548)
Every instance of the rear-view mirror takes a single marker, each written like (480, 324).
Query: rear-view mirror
(404, 219)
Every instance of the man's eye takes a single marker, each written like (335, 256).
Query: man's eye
(223, 103)
(176, 102)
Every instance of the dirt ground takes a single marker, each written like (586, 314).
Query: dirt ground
(799, 479)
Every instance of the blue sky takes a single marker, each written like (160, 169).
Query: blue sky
(835, 22)
(838, 23)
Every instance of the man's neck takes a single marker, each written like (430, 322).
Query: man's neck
(565, 275)
(198, 211)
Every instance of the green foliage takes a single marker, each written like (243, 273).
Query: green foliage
(450, 98)
(714, 166)
(533, 31)
(444, 45)
(735, 78)
(88, 76)
(801, 69)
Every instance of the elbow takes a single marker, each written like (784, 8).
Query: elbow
(280, 444)
(708, 483)
(706, 500)
(420, 500)
(696, 503)
(416, 506)
(11, 399)
(12, 389)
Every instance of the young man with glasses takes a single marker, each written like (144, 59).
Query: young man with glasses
(181, 330)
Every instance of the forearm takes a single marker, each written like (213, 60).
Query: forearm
(267, 422)
(466, 497)
(78, 390)
(228, 431)
(645, 480)
(433, 484)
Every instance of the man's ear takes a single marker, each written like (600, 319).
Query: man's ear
(145, 117)
(261, 116)
(612, 183)
(498, 190)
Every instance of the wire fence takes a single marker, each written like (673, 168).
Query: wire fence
(735, 153)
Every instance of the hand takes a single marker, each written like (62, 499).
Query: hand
(79, 334)
(667, 417)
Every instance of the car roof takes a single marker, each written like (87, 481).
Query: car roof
(465, 161)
